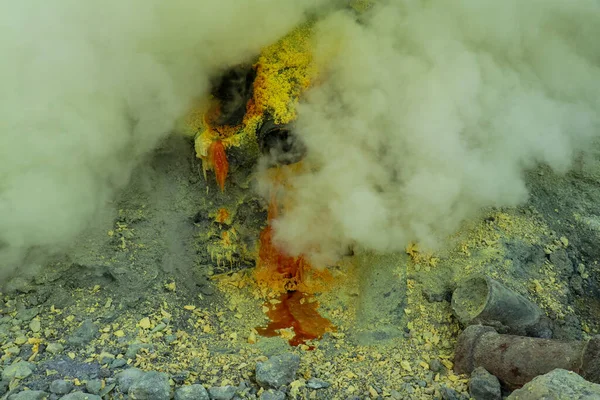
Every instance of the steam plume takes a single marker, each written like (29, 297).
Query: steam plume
(89, 87)
(427, 111)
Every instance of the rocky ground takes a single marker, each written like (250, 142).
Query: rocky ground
(151, 304)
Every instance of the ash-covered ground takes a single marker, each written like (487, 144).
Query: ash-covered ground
(151, 304)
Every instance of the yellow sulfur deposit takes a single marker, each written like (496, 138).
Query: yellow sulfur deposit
(283, 71)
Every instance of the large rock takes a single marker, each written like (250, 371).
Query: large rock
(81, 396)
(192, 392)
(29, 395)
(484, 386)
(151, 386)
(61, 386)
(277, 371)
(272, 395)
(557, 385)
(84, 334)
(126, 378)
(18, 370)
(222, 393)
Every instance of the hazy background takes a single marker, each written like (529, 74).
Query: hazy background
(88, 87)
(427, 111)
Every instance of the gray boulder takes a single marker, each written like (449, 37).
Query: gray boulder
(557, 385)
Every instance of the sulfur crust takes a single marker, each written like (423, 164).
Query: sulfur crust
(284, 69)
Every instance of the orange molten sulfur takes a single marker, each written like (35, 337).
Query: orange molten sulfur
(287, 275)
(296, 311)
(218, 160)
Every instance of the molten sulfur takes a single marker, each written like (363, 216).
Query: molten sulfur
(219, 162)
(296, 311)
(287, 275)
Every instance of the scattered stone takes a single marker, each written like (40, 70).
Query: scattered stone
(4, 329)
(94, 386)
(568, 329)
(118, 363)
(561, 262)
(28, 314)
(191, 392)
(314, 383)
(407, 388)
(396, 395)
(577, 284)
(26, 352)
(29, 395)
(435, 365)
(484, 386)
(450, 394)
(20, 340)
(60, 386)
(103, 373)
(105, 358)
(107, 389)
(159, 327)
(145, 323)
(277, 371)
(170, 338)
(12, 351)
(81, 396)
(151, 386)
(181, 377)
(272, 395)
(222, 393)
(84, 334)
(126, 378)
(19, 370)
(35, 325)
(55, 348)
(134, 348)
(555, 385)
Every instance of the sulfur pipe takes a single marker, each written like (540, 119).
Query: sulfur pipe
(516, 360)
(483, 300)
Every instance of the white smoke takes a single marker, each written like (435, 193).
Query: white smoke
(88, 87)
(427, 111)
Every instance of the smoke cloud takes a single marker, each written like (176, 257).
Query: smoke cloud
(89, 87)
(427, 111)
